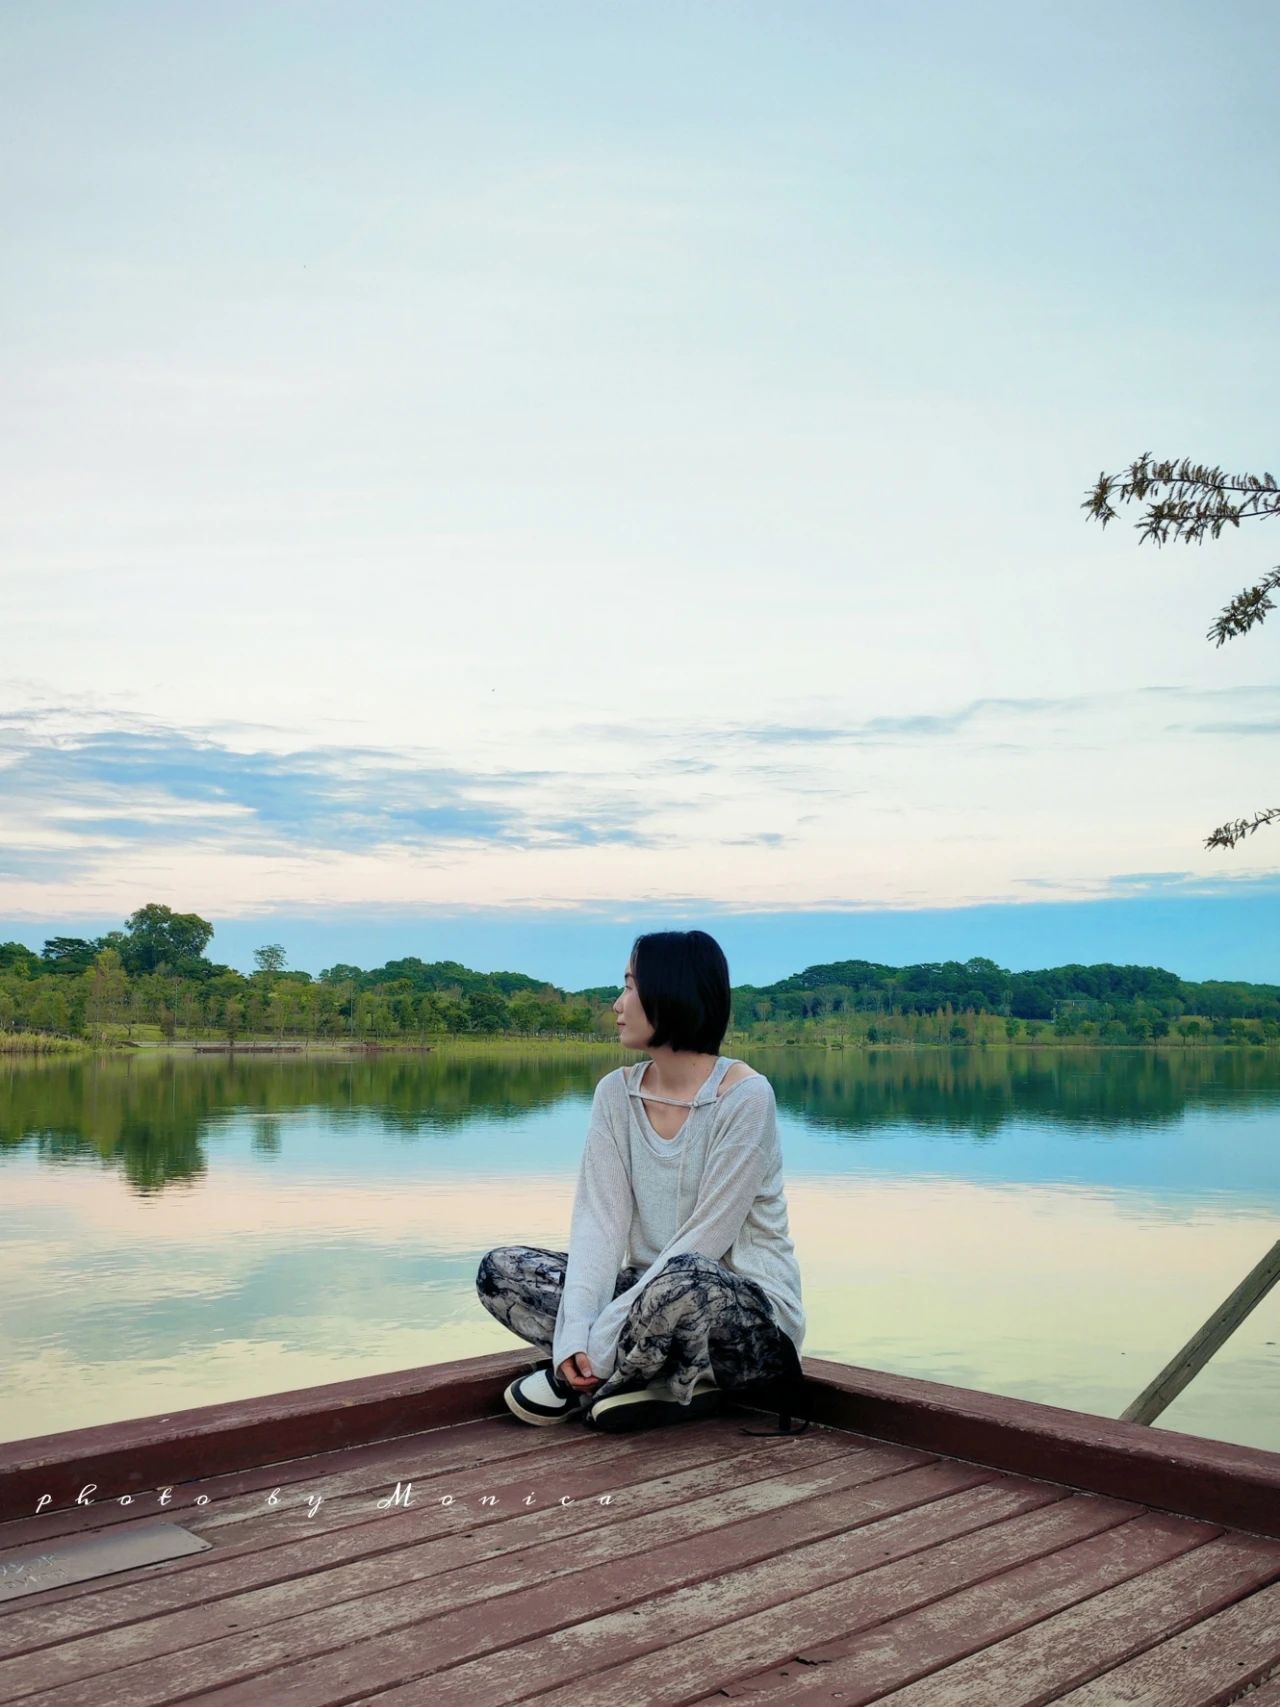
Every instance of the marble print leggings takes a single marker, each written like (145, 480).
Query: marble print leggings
(694, 1318)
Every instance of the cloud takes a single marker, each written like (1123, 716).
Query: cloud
(20, 862)
(1128, 885)
(1239, 690)
(1268, 726)
(871, 731)
(131, 786)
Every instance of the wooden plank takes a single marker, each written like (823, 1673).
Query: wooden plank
(136, 1456)
(685, 1672)
(1265, 1695)
(584, 1641)
(285, 1549)
(1238, 1486)
(855, 1669)
(343, 1651)
(465, 1567)
(369, 1473)
(699, 1463)
(1060, 1653)
(1187, 1363)
(1203, 1667)
(352, 1497)
(495, 1439)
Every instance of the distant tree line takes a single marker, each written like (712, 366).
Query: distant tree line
(153, 979)
(977, 1001)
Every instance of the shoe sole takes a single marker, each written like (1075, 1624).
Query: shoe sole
(626, 1412)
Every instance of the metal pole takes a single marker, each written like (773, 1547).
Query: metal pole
(1206, 1340)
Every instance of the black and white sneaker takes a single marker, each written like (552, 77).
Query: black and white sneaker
(541, 1398)
(652, 1406)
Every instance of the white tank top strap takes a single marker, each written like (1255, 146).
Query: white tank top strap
(706, 1094)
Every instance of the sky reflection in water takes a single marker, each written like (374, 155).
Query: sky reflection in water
(1051, 1227)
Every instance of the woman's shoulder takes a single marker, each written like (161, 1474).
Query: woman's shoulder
(736, 1072)
(742, 1086)
(612, 1085)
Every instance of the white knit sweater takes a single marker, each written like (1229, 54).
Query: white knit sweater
(715, 1188)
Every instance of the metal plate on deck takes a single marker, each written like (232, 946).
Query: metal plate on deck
(82, 1557)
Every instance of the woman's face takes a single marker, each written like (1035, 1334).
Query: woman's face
(634, 1029)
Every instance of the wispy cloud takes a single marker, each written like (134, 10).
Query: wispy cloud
(886, 729)
(1263, 726)
(1133, 885)
(136, 786)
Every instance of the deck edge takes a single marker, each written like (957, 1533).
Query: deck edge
(1213, 1480)
(147, 1453)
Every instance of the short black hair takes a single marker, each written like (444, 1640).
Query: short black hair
(682, 979)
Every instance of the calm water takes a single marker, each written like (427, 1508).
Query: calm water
(1049, 1224)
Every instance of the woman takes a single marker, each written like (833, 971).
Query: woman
(680, 1279)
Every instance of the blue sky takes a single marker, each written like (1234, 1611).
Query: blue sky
(482, 479)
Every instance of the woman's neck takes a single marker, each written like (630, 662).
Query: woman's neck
(677, 1073)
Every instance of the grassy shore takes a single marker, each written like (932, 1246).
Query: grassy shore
(463, 1043)
(37, 1043)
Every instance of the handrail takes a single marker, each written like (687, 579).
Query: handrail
(1206, 1340)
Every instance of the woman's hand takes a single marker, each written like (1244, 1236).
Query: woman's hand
(576, 1372)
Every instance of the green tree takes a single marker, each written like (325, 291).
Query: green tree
(488, 1011)
(16, 957)
(270, 957)
(160, 937)
(68, 954)
(108, 992)
(1186, 501)
(50, 1010)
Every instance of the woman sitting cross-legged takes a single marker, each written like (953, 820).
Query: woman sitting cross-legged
(680, 1280)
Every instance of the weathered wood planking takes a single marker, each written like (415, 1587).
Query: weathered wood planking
(856, 1566)
(1073, 1647)
(1074, 1542)
(862, 1667)
(383, 1638)
(1266, 1695)
(569, 1630)
(1213, 1480)
(1201, 1667)
(233, 1496)
(462, 1550)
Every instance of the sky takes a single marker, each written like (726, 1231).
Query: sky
(479, 481)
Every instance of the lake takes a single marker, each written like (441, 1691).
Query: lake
(1050, 1224)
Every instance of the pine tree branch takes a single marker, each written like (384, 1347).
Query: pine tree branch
(1187, 500)
(1229, 834)
(1245, 610)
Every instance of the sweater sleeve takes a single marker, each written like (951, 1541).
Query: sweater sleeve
(598, 1233)
(737, 1166)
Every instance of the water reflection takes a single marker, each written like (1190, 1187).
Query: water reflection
(152, 1117)
(1050, 1225)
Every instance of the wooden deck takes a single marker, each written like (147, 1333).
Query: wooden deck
(902, 1552)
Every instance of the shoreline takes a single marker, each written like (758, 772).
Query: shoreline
(27, 1045)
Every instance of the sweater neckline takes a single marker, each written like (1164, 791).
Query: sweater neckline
(706, 1094)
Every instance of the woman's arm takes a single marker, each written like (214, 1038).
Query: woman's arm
(598, 1232)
